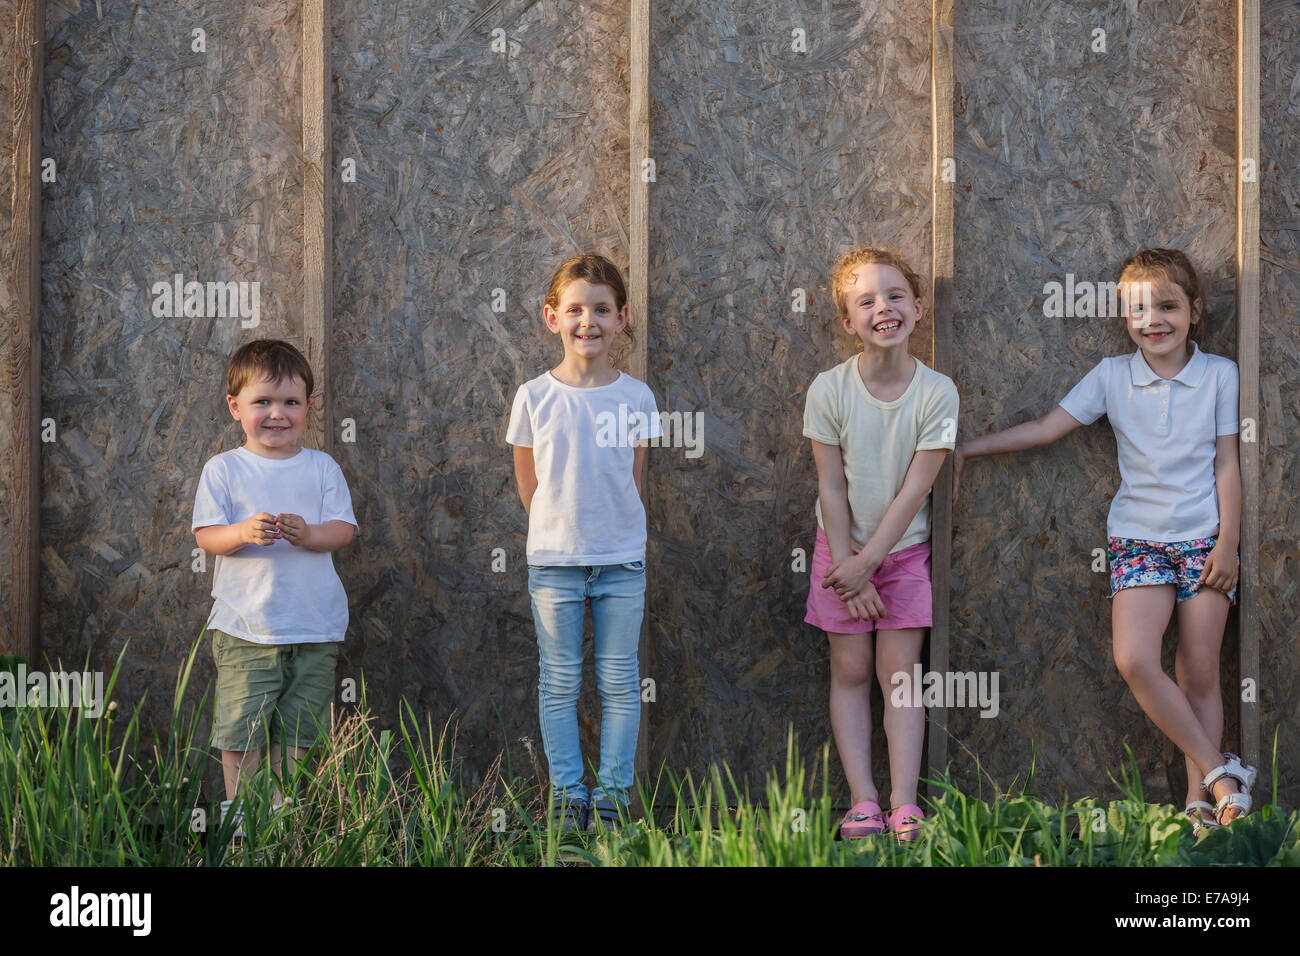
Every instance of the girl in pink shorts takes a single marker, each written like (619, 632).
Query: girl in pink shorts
(880, 426)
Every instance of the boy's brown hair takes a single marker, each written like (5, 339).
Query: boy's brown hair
(595, 269)
(1172, 266)
(842, 274)
(263, 359)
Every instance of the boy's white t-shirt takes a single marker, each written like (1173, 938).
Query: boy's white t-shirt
(278, 593)
(586, 510)
(878, 440)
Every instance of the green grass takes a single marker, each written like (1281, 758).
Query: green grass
(89, 792)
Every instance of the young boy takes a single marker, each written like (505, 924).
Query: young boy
(272, 512)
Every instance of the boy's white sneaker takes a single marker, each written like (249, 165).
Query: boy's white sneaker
(239, 818)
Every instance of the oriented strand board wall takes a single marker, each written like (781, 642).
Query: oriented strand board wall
(476, 171)
(480, 170)
(1068, 161)
(1280, 389)
(771, 162)
(169, 161)
(7, 10)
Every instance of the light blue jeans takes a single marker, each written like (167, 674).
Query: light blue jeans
(559, 595)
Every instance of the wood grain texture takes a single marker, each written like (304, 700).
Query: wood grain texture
(941, 298)
(638, 287)
(8, 318)
(1069, 160)
(318, 214)
(1279, 409)
(22, 362)
(772, 162)
(1248, 359)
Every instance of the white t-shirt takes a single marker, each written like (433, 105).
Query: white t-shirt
(586, 510)
(1165, 432)
(278, 593)
(878, 440)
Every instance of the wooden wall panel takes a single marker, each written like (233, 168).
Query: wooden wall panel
(771, 163)
(1069, 160)
(477, 170)
(1279, 191)
(170, 161)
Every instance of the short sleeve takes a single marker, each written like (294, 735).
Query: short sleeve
(212, 500)
(336, 501)
(520, 429)
(939, 425)
(1086, 402)
(648, 410)
(819, 420)
(1225, 402)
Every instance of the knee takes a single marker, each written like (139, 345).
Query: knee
(559, 681)
(851, 674)
(1200, 678)
(1134, 667)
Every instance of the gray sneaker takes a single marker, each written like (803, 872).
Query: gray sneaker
(604, 814)
(570, 815)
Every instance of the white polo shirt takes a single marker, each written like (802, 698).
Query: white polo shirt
(1165, 431)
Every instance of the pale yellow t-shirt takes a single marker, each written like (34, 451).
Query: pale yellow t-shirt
(878, 439)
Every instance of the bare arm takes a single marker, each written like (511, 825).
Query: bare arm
(228, 538)
(327, 536)
(1055, 425)
(833, 491)
(638, 469)
(1221, 566)
(526, 475)
(920, 477)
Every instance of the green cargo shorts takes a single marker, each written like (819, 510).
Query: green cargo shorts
(275, 685)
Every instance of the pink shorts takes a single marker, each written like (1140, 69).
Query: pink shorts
(903, 581)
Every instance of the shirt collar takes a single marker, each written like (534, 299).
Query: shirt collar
(1190, 375)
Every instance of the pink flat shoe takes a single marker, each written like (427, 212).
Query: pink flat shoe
(905, 822)
(863, 820)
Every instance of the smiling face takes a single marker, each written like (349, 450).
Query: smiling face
(273, 415)
(880, 307)
(586, 320)
(1159, 316)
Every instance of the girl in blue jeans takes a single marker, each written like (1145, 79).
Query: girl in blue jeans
(580, 433)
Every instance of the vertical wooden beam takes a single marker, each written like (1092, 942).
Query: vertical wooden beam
(941, 198)
(318, 214)
(22, 368)
(639, 285)
(1248, 358)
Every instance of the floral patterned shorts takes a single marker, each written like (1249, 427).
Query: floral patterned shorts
(1135, 563)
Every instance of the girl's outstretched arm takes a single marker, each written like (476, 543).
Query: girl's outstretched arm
(525, 474)
(1041, 431)
(1220, 571)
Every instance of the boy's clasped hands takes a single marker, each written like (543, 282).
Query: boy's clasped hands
(851, 579)
(264, 529)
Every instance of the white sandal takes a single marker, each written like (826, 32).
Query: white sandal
(1193, 812)
(1244, 774)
